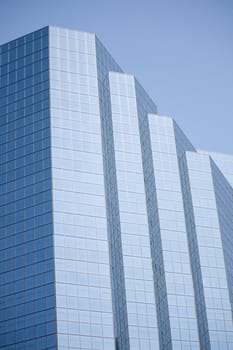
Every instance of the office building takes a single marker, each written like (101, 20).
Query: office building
(116, 233)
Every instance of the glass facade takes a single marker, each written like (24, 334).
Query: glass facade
(28, 308)
(116, 233)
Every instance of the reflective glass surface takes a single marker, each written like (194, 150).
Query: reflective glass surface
(82, 268)
(116, 234)
(27, 262)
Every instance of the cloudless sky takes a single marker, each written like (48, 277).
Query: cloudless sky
(181, 51)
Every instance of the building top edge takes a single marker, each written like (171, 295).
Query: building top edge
(215, 153)
(71, 29)
(121, 73)
(161, 116)
(44, 28)
(24, 35)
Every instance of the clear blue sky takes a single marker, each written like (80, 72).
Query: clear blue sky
(180, 50)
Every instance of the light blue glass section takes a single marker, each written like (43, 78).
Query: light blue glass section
(113, 221)
(224, 203)
(218, 307)
(177, 268)
(164, 329)
(183, 145)
(83, 284)
(138, 272)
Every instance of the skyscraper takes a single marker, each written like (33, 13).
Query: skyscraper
(116, 233)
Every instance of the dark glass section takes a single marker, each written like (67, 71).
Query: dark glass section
(28, 311)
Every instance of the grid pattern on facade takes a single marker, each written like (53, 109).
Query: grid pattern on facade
(116, 234)
(28, 315)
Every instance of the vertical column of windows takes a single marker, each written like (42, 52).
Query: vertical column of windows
(182, 145)
(138, 273)
(155, 234)
(179, 284)
(224, 203)
(83, 286)
(209, 240)
(114, 226)
(105, 63)
(27, 280)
